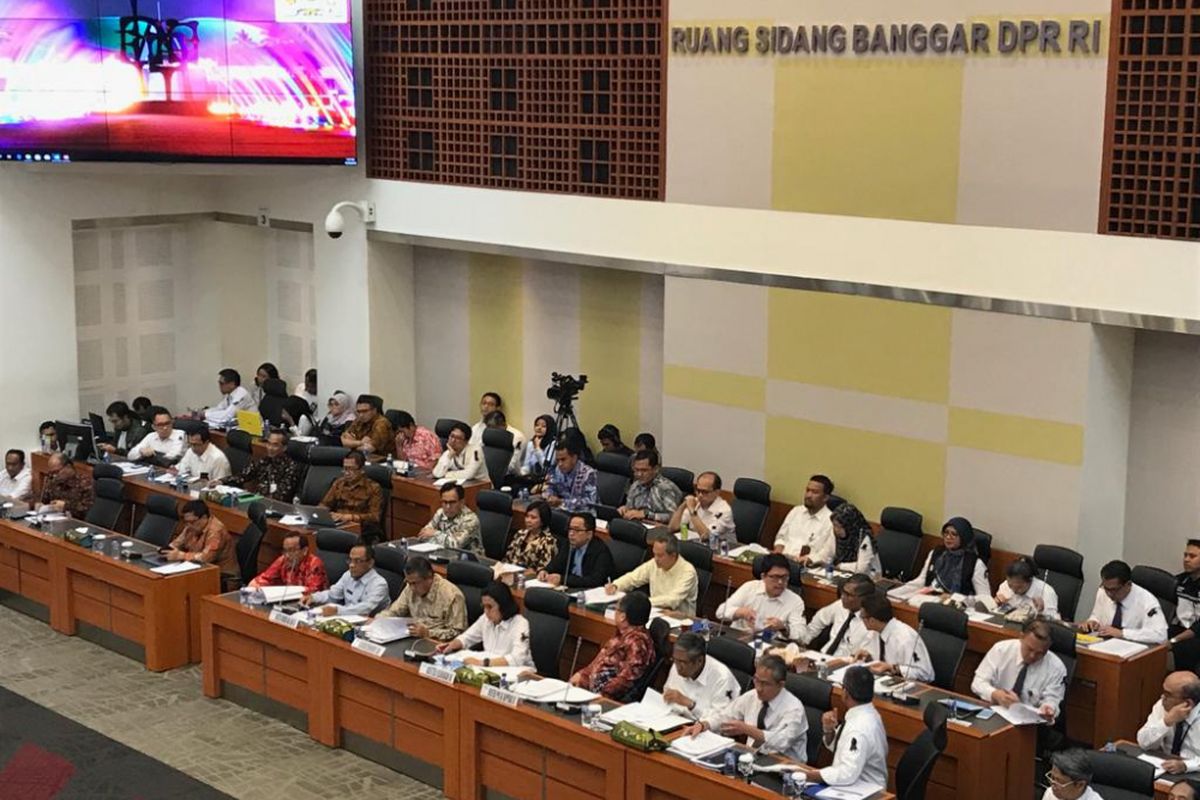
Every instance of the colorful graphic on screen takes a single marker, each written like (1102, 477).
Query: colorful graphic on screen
(177, 80)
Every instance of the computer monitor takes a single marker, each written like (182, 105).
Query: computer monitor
(75, 440)
(98, 426)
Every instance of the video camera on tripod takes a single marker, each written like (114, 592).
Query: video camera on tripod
(564, 390)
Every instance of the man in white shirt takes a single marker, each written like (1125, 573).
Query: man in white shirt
(1069, 777)
(847, 632)
(361, 590)
(673, 580)
(16, 481)
(165, 444)
(1124, 610)
(1171, 728)
(768, 717)
(895, 648)
(767, 603)
(806, 534)
(203, 459)
(462, 459)
(234, 398)
(489, 402)
(705, 513)
(497, 421)
(1023, 671)
(860, 744)
(697, 685)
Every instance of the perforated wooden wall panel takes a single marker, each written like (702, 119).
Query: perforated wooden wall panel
(537, 95)
(1151, 174)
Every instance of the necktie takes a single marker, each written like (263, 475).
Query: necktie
(762, 717)
(1117, 616)
(832, 647)
(882, 650)
(1177, 742)
(577, 561)
(1019, 686)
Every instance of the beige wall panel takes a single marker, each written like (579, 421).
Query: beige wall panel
(849, 409)
(716, 325)
(551, 342)
(701, 436)
(443, 374)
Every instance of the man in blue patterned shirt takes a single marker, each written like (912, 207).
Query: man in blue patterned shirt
(571, 485)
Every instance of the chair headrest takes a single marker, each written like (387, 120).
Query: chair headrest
(753, 490)
(1058, 559)
(903, 520)
(274, 387)
(732, 653)
(106, 471)
(189, 426)
(110, 489)
(614, 463)
(660, 633)
(257, 512)
(548, 601)
(162, 505)
(938, 617)
(697, 554)
(834, 501)
(628, 531)
(335, 540)
(390, 558)
(494, 437)
(496, 502)
(1158, 582)
(320, 456)
(442, 426)
(1062, 640)
(240, 440)
(380, 474)
(298, 451)
(812, 691)
(468, 573)
(936, 716)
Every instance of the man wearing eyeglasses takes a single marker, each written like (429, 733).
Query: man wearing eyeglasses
(767, 717)
(454, 526)
(586, 564)
(698, 685)
(463, 459)
(847, 632)
(1069, 777)
(361, 590)
(705, 513)
(767, 603)
(1171, 727)
(164, 445)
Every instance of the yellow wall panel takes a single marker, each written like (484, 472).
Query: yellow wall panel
(879, 346)
(1040, 439)
(610, 349)
(712, 386)
(871, 470)
(868, 137)
(495, 299)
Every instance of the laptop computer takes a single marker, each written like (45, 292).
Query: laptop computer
(98, 426)
(318, 516)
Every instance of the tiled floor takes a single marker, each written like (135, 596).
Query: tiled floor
(165, 716)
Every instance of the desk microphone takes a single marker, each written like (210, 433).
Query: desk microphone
(563, 705)
(725, 602)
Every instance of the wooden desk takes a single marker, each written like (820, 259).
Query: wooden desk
(121, 604)
(415, 500)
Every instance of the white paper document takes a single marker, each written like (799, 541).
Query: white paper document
(293, 519)
(424, 547)
(1019, 714)
(387, 629)
(599, 595)
(1156, 761)
(701, 745)
(281, 594)
(166, 477)
(175, 567)
(902, 592)
(978, 616)
(855, 791)
(651, 713)
(672, 621)
(536, 584)
(1122, 648)
(506, 569)
(552, 690)
(757, 549)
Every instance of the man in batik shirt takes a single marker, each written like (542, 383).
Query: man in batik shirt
(277, 476)
(454, 525)
(625, 657)
(651, 497)
(354, 497)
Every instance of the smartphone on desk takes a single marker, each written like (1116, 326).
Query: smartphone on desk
(985, 714)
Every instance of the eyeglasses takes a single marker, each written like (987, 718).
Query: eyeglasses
(777, 576)
(1053, 782)
(354, 560)
(573, 529)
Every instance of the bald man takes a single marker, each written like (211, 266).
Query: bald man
(1171, 727)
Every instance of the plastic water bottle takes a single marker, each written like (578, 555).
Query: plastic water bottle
(404, 548)
(245, 594)
(683, 531)
(725, 548)
(829, 571)
(745, 765)
(151, 473)
(524, 495)
(1109, 747)
(521, 581)
(730, 767)
(107, 457)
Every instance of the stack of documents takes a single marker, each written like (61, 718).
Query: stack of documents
(652, 713)
(387, 629)
(1020, 714)
(281, 594)
(1122, 648)
(672, 621)
(424, 547)
(132, 467)
(552, 690)
(600, 596)
(175, 567)
(700, 746)
(757, 549)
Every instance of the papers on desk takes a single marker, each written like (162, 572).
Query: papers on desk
(601, 524)
(855, 791)
(1020, 714)
(552, 690)
(979, 616)
(902, 592)
(651, 713)
(219, 489)
(1156, 761)
(424, 547)
(506, 569)
(281, 594)
(132, 467)
(175, 567)
(655, 613)
(440, 482)
(166, 477)
(600, 596)
(536, 584)
(700, 746)
(387, 629)
(1122, 648)
(54, 516)
(293, 519)
(757, 549)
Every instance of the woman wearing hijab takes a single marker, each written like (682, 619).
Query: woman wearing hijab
(855, 549)
(341, 414)
(538, 456)
(297, 417)
(954, 566)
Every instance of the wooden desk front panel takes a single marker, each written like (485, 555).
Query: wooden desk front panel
(257, 655)
(659, 776)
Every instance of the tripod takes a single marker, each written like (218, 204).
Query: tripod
(564, 416)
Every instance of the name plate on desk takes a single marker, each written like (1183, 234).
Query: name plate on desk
(284, 619)
(498, 695)
(361, 643)
(439, 674)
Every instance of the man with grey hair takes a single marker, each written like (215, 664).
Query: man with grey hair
(767, 717)
(1069, 777)
(698, 685)
(673, 581)
(1171, 727)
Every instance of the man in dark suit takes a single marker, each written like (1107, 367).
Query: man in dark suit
(586, 564)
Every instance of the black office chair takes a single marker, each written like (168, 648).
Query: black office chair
(899, 542)
(333, 548)
(161, 520)
(612, 478)
(660, 634)
(471, 578)
(274, 400)
(324, 467)
(495, 521)
(1062, 644)
(751, 505)
(1159, 583)
(250, 542)
(389, 558)
(442, 428)
(298, 451)
(627, 543)
(983, 545)
(916, 765)
(395, 581)
(944, 631)
(497, 454)
(699, 556)
(1062, 568)
(685, 479)
(382, 476)
(1118, 776)
(834, 501)
(817, 697)
(559, 522)
(106, 471)
(188, 426)
(393, 416)
(549, 616)
(240, 451)
(108, 503)
(736, 655)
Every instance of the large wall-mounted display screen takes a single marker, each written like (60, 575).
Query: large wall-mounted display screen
(177, 80)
